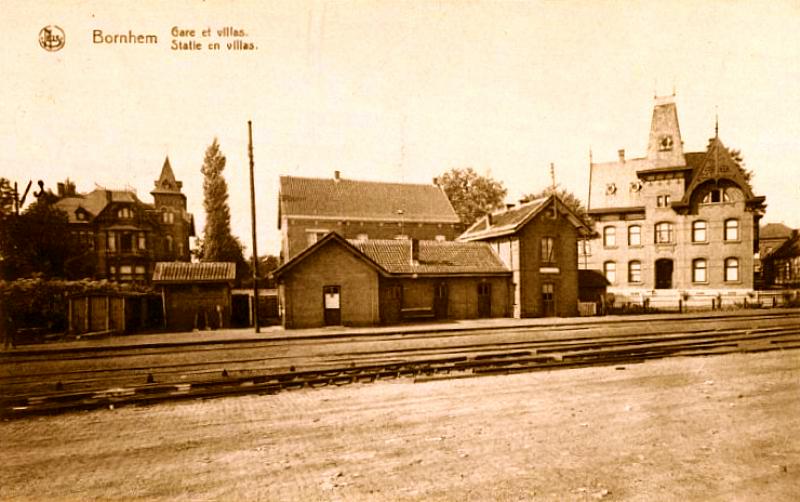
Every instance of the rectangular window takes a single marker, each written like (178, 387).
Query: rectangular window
(663, 233)
(610, 271)
(111, 242)
(699, 231)
(731, 230)
(699, 268)
(142, 241)
(609, 237)
(635, 235)
(548, 250)
(126, 242)
(584, 248)
(731, 269)
(312, 236)
(635, 271)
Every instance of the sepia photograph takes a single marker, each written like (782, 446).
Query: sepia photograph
(400, 250)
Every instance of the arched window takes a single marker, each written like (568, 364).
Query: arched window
(731, 269)
(634, 235)
(169, 243)
(699, 231)
(699, 270)
(732, 230)
(663, 232)
(634, 271)
(609, 237)
(610, 271)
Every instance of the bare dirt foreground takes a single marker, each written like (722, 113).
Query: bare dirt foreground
(717, 428)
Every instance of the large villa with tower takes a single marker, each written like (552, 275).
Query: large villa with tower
(673, 223)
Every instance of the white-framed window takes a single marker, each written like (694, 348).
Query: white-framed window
(732, 230)
(169, 243)
(167, 216)
(664, 232)
(141, 241)
(635, 235)
(662, 201)
(125, 273)
(699, 270)
(635, 271)
(312, 236)
(124, 213)
(731, 269)
(699, 229)
(610, 271)
(609, 237)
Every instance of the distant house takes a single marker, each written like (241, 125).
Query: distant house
(195, 295)
(337, 281)
(538, 242)
(309, 208)
(125, 235)
(770, 237)
(783, 264)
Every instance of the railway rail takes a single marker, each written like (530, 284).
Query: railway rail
(453, 355)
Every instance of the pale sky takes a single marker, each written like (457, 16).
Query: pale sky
(394, 91)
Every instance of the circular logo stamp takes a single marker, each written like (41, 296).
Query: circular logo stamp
(52, 38)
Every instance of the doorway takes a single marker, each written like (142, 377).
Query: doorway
(548, 299)
(440, 301)
(484, 299)
(664, 273)
(332, 305)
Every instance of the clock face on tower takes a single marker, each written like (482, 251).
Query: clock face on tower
(665, 144)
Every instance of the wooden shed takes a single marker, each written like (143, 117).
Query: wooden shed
(195, 295)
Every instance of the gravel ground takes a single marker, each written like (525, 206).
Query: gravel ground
(716, 428)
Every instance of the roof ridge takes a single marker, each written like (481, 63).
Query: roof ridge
(352, 180)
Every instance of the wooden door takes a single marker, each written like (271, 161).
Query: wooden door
(391, 303)
(440, 301)
(484, 299)
(548, 299)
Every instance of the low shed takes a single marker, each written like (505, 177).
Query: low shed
(195, 295)
(369, 282)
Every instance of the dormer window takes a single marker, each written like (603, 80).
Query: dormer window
(124, 213)
(665, 143)
(716, 195)
(80, 215)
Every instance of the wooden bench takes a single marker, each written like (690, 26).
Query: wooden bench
(417, 313)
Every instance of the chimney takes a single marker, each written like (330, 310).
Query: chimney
(621, 153)
(336, 176)
(489, 219)
(414, 251)
(109, 197)
(61, 190)
(436, 181)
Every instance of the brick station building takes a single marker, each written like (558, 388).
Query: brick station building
(309, 208)
(537, 241)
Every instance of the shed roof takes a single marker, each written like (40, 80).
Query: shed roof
(435, 257)
(183, 272)
(352, 199)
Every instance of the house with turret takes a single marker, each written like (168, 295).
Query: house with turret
(673, 223)
(124, 237)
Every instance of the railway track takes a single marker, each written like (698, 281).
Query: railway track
(57, 391)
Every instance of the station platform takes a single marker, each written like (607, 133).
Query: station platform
(278, 333)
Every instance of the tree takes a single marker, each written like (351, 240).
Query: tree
(7, 198)
(38, 242)
(569, 199)
(471, 194)
(218, 243)
(736, 155)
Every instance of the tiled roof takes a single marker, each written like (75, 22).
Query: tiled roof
(789, 249)
(774, 231)
(93, 202)
(435, 257)
(183, 272)
(511, 220)
(351, 199)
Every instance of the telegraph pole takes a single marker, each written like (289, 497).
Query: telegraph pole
(253, 220)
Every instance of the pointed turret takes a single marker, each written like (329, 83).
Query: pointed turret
(665, 147)
(166, 183)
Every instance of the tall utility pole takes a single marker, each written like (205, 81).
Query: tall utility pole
(253, 220)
